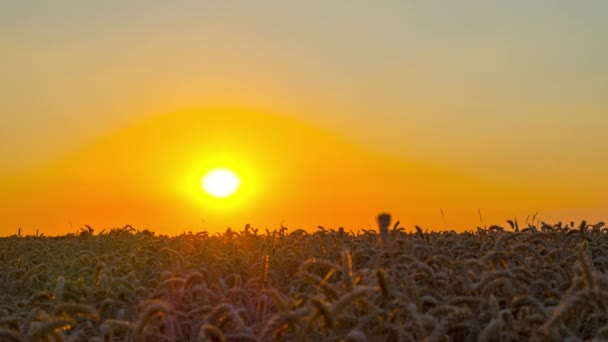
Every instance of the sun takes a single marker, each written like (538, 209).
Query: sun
(221, 182)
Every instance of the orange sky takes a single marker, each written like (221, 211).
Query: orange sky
(111, 112)
(148, 175)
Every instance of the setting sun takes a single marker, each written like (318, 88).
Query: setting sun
(221, 183)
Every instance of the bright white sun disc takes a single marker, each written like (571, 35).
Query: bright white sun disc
(221, 182)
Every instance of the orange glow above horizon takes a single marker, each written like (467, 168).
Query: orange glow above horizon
(149, 175)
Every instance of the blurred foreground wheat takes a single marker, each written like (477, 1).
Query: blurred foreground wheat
(539, 283)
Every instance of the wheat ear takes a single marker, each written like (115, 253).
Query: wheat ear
(153, 309)
(40, 329)
(209, 333)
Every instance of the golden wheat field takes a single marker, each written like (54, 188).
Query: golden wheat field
(544, 282)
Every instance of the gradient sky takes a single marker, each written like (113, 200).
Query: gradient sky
(509, 94)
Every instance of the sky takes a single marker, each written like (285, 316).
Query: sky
(487, 106)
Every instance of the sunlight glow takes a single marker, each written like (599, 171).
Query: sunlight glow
(221, 183)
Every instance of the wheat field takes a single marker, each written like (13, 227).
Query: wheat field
(544, 282)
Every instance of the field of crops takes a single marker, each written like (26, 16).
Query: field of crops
(545, 282)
